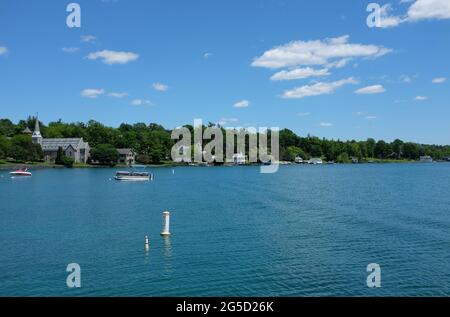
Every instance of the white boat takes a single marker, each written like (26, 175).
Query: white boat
(315, 161)
(21, 173)
(134, 176)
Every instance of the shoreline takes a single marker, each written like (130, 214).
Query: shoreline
(9, 165)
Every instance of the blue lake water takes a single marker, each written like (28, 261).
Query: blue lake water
(304, 231)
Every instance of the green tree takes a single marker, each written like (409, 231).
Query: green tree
(4, 146)
(23, 149)
(397, 147)
(7, 128)
(343, 158)
(411, 151)
(60, 157)
(382, 149)
(68, 161)
(293, 152)
(105, 154)
(370, 147)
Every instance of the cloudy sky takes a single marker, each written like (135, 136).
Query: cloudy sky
(312, 66)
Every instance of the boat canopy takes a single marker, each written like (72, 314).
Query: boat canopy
(132, 174)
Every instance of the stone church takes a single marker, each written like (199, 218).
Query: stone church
(75, 148)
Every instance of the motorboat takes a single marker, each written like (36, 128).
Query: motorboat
(21, 173)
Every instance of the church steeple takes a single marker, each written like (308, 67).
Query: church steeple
(37, 137)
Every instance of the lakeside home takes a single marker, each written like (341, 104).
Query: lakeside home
(239, 159)
(315, 161)
(426, 159)
(126, 156)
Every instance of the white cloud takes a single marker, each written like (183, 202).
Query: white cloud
(3, 50)
(339, 63)
(375, 89)
(370, 117)
(88, 38)
(439, 80)
(242, 104)
(70, 49)
(387, 20)
(417, 11)
(225, 121)
(421, 98)
(300, 73)
(140, 102)
(429, 9)
(318, 52)
(207, 55)
(320, 88)
(92, 93)
(113, 57)
(406, 79)
(326, 124)
(160, 87)
(303, 114)
(118, 94)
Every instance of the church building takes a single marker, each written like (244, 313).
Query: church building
(75, 148)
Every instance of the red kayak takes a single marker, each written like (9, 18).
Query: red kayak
(20, 173)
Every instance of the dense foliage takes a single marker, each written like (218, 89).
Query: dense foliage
(62, 159)
(153, 143)
(104, 154)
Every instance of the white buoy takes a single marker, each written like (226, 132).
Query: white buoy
(173, 171)
(146, 244)
(166, 223)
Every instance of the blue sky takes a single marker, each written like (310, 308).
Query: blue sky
(310, 66)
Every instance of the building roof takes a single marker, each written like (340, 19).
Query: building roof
(55, 144)
(37, 131)
(125, 151)
(27, 131)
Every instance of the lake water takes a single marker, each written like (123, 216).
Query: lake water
(304, 231)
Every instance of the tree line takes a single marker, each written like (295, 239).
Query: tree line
(153, 143)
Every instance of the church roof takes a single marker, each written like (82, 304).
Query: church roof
(37, 131)
(27, 131)
(55, 144)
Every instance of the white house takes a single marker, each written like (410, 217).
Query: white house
(126, 156)
(315, 161)
(426, 159)
(239, 159)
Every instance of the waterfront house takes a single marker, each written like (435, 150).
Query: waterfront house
(239, 159)
(354, 160)
(426, 159)
(315, 161)
(126, 156)
(74, 148)
(299, 160)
